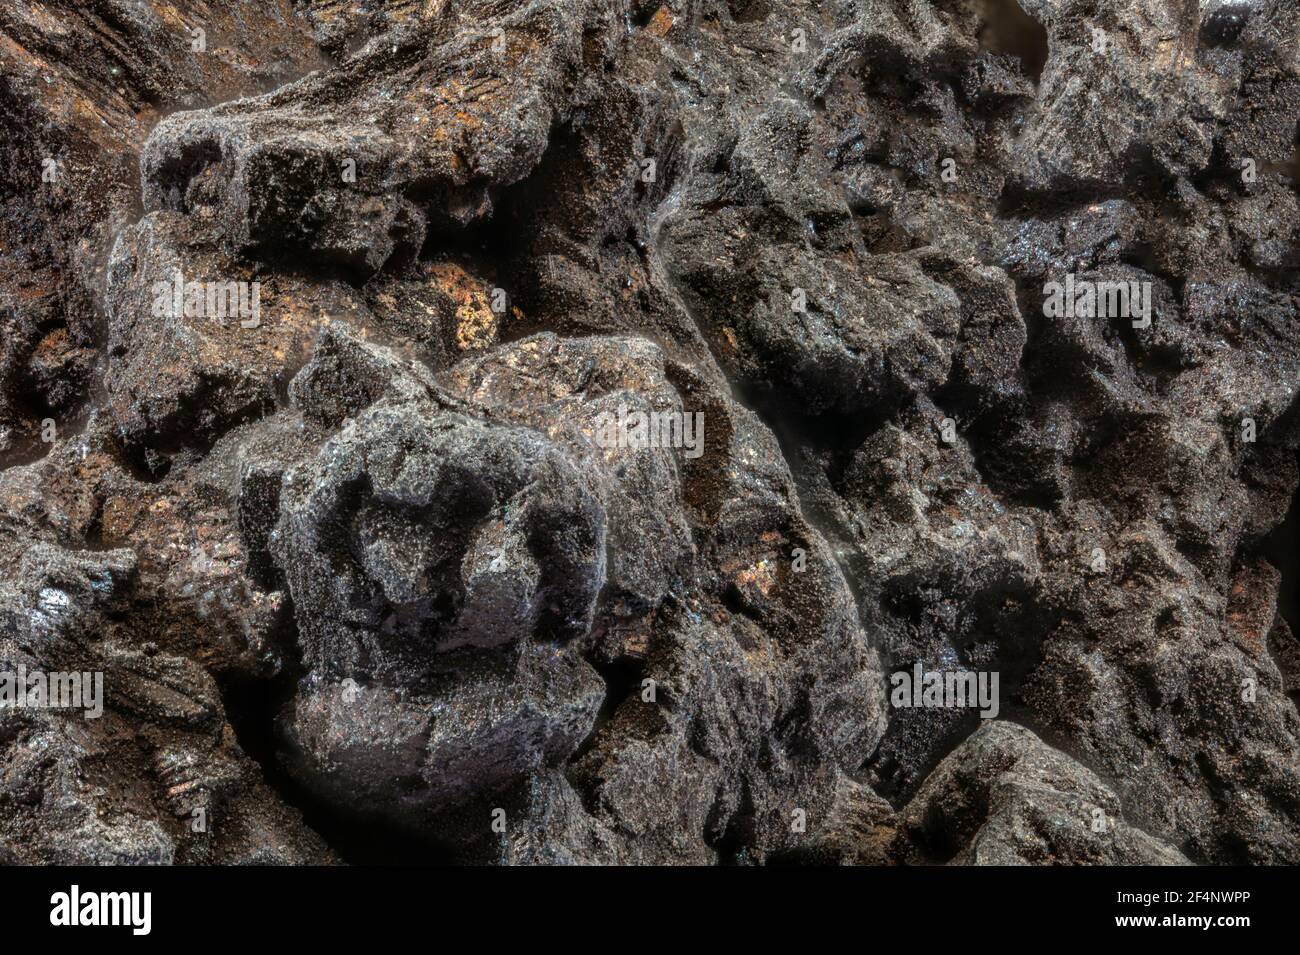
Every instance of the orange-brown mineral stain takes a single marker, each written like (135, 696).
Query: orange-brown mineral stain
(661, 22)
(476, 323)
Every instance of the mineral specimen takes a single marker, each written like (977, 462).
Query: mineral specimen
(545, 431)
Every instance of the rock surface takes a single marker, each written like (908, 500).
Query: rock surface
(551, 431)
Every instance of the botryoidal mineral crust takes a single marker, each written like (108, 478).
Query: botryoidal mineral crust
(573, 431)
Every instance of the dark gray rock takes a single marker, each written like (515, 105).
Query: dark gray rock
(375, 554)
(1005, 798)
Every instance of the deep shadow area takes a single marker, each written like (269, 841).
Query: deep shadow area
(252, 707)
(1012, 32)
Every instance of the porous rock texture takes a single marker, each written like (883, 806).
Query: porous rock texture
(366, 583)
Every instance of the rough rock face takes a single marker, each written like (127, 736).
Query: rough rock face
(1003, 797)
(577, 431)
